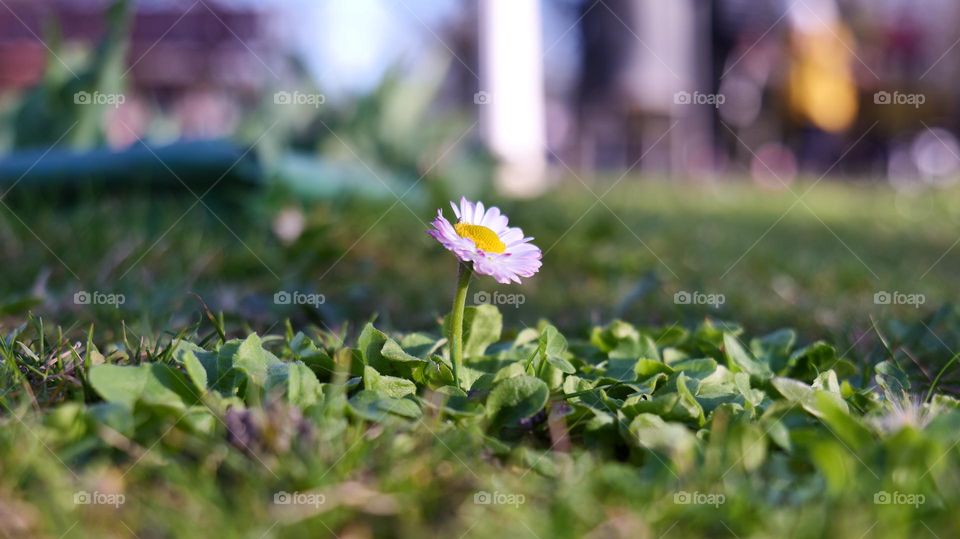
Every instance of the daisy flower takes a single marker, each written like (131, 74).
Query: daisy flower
(485, 245)
(482, 238)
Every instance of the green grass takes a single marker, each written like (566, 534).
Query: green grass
(815, 267)
(792, 450)
(762, 433)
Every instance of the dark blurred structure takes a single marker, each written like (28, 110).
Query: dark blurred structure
(680, 88)
(199, 61)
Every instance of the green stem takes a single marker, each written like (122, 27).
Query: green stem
(456, 321)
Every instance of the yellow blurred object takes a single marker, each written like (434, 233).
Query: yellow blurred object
(821, 87)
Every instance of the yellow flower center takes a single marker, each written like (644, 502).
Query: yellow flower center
(484, 238)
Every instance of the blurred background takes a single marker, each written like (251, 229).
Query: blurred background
(778, 162)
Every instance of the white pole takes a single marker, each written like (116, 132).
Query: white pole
(511, 93)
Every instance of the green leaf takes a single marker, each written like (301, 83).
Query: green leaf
(394, 352)
(688, 402)
(652, 432)
(114, 383)
(155, 384)
(390, 386)
(370, 343)
(456, 403)
(304, 349)
(792, 390)
(195, 370)
(739, 360)
(648, 348)
(646, 368)
(618, 332)
(373, 406)
(808, 362)
(252, 359)
(774, 348)
(298, 383)
(552, 342)
(892, 380)
(482, 326)
(516, 398)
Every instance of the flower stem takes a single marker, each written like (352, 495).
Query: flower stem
(456, 320)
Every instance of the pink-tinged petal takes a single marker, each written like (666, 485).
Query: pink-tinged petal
(466, 210)
(511, 235)
(520, 259)
(494, 220)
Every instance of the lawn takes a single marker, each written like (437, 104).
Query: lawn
(200, 406)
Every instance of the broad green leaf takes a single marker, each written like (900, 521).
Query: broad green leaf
(651, 432)
(562, 364)
(516, 398)
(482, 326)
(297, 381)
(892, 380)
(254, 360)
(370, 343)
(195, 371)
(774, 348)
(373, 406)
(739, 360)
(389, 386)
(394, 352)
(808, 362)
(792, 390)
(456, 403)
(622, 369)
(644, 368)
(696, 367)
(155, 384)
(118, 384)
(687, 401)
(304, 349)
(648, 348)
(618, 340)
